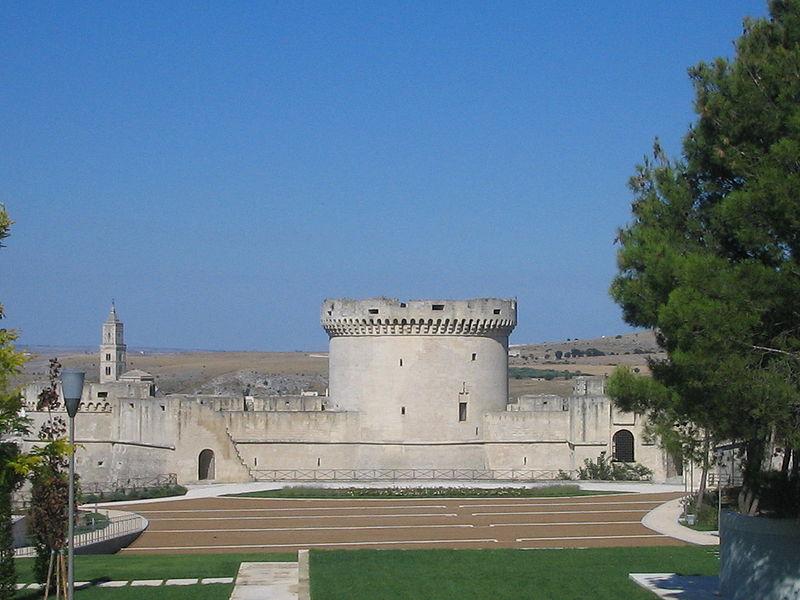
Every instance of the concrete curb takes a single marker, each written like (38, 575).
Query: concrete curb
(303, 581)
(664, 519)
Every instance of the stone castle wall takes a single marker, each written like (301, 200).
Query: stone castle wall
(413, 385)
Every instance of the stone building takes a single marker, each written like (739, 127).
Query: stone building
(418, 389)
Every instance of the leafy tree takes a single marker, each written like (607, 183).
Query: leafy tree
(48, 515)
(14, 465)
(711, 259)
(668, 420)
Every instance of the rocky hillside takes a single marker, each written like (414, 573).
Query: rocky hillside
(262, 384)
(630, 348)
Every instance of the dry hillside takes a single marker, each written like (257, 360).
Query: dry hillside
(268, 373)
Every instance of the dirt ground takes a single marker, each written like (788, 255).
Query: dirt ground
(246, 524)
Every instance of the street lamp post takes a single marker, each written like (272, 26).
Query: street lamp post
(72, 388)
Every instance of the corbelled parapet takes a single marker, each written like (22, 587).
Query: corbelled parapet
(390, 316)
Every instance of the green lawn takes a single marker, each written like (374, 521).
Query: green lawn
(596, 573)
(111, 567)
(431, 492)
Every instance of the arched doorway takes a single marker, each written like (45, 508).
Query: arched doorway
(622, 446)
(205, 465)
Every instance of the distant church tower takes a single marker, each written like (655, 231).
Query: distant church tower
(112, 348)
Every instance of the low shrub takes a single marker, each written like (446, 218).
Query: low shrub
(424, 492)
(707, 516)
(122, 495)
(608, 470)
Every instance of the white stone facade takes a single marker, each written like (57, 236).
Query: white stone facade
(112, 349)
(415, 387)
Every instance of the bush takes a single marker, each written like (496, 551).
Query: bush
(121, 495)
(607, 470)
(707, 517)
(419, 492)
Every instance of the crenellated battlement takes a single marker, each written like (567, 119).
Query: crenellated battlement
(389, 316)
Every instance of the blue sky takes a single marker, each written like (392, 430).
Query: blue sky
(221, 168)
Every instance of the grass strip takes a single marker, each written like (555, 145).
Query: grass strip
(552, 491)
(503, 574)
(118, 567)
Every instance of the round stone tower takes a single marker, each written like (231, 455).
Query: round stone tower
(419, 371)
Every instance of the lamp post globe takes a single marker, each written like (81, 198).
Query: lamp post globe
(72, 388)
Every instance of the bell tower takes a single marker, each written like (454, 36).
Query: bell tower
(112, 348)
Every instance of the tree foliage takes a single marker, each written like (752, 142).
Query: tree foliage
(14, 465)
(711, 259)
(49, 510)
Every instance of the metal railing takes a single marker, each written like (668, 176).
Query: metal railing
(116, 527)
(406, 475)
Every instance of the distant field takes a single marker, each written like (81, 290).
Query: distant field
(184, 371)
(188, 372)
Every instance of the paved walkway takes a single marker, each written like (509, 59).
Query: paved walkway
(266, 581)
(670, 586)
(136, 583)
(664, 520)
(273, 580)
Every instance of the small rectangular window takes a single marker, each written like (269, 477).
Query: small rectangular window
(497, 311)
(462, 411)
(373, 311)
(401, 362)
(474, 355)
(255, 461)
(402, 305)
(437, 307)
(102, 394)
(402, 410)
(108, 357)
(108, 370)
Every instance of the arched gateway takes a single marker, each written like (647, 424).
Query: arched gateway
(205, 465)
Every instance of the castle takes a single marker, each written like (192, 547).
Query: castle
(418, 390)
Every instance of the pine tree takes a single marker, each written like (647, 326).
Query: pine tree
(711, 259)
